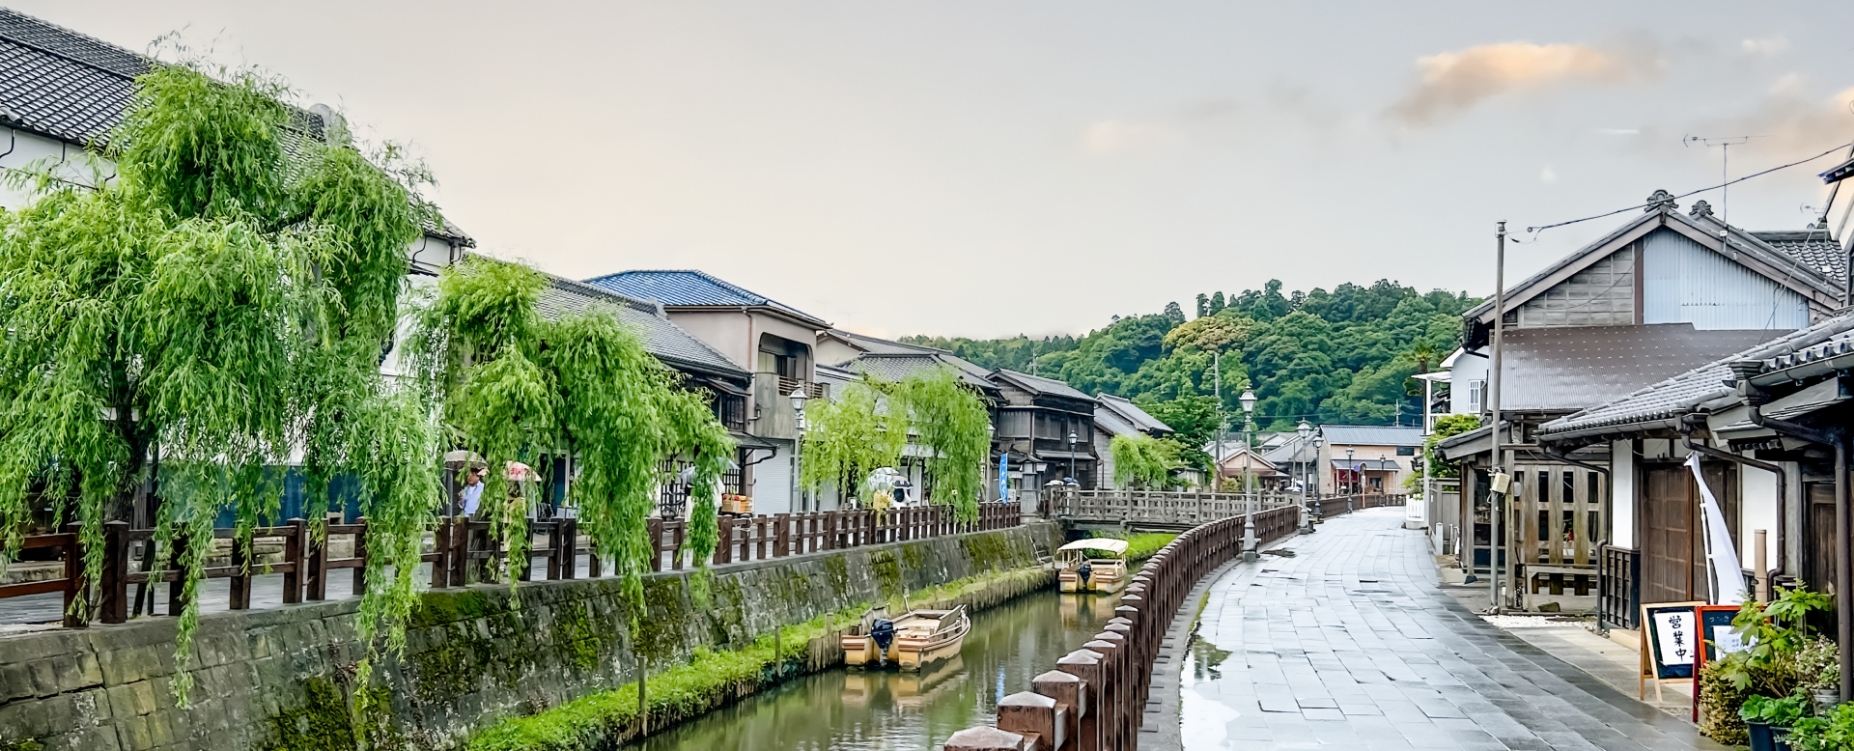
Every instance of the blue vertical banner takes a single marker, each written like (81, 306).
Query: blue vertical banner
(1004, 477)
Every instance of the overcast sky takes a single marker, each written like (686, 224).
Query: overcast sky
(993, 168)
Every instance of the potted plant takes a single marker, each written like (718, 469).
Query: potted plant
(1831, 732)
(1762, 713)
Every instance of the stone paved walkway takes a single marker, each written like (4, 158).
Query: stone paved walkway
(1349, 645)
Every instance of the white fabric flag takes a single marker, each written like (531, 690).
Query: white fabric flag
(1722, 556)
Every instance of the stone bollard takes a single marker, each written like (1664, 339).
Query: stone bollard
(1036, 717)
(1118, 697)
(1071, 696)
(985, 738)
(1087, 666)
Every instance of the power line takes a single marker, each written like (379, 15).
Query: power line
(1637, 207)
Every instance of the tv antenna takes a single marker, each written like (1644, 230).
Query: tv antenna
(1725, 144)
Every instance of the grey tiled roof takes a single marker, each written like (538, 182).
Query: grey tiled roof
(1695, 387)
(896, 367)
(1110, 423)
(1840, 344)
(1132, 414)
(693, 289)
(1813, 248)
(1567, 369)
(667, 341)
(76, 88)
(1372, 435)
(1041, 385)
(60, 83)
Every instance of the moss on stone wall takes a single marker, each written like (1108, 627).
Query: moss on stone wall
(887, 573)
(838, 572)
(320, 722)
(21, 745)
(664, 624)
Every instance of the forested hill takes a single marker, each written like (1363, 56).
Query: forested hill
(1344, 356)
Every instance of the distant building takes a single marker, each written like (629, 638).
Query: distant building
(1113, 416)
(775, 342)
(1036, 417)
(1367, 458)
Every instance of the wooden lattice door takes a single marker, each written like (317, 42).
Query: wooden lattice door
(1557, 518)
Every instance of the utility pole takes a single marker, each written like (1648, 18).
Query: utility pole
(1497, 516)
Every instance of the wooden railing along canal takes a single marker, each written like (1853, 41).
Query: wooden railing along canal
(462, 553)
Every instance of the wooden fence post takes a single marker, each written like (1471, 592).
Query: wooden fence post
(74, 584)
(315, 569)
(654, 528)
(360, 552)
(292, 562)
(115, 584)
(782, 533)
(241, 578)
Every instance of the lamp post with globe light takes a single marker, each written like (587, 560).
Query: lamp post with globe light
(1305, 431)
(798, 441)
(1249, 542)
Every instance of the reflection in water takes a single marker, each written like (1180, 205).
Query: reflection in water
(843, 710)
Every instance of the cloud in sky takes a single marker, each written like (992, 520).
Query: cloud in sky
(1765, 46)
(1453, 82)
(1110, 137)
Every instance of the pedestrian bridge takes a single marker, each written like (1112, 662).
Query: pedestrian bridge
(1168, 510)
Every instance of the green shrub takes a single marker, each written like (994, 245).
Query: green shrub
(1719, 705)
(1832, 733)
(1140, 545)
(1782, 712)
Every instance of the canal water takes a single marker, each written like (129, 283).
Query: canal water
(845, 710)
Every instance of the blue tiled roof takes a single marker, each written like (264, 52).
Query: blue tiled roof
(691, 288)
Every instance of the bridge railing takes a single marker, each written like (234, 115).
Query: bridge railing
(1096, 697)
(1171, 507)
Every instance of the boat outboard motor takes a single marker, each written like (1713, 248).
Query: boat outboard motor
(1084, 571)
(882, 632)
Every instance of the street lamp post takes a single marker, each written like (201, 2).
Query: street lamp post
(1249, 542)
(798, 440)
(1305, 431)
(1072, 461)
(1351, 473)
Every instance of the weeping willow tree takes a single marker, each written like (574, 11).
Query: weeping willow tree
(1143, 462)
(511, 387)
(951, 422)
(222, 302)
(850, 436)
(867, 426)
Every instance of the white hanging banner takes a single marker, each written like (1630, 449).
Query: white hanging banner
(1721, 555)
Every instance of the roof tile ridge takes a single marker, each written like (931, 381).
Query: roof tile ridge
(75, 33)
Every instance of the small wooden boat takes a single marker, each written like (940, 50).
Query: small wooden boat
(916, 639)
(1096, 565)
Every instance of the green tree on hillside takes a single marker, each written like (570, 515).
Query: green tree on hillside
(1343, 355)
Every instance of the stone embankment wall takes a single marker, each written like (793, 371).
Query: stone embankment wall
(282, 679)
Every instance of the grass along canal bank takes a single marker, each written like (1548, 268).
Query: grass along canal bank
(711, 679)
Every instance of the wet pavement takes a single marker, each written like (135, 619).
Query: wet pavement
(1350, 645)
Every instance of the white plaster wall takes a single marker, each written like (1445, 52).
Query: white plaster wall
(772, 484)
(1622, 494)
(1757, 509)
(726, 332)
(72, 162)
(1468, 369)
